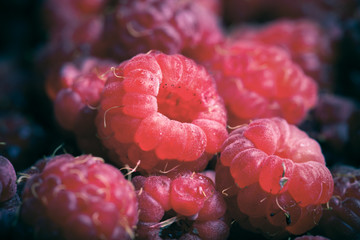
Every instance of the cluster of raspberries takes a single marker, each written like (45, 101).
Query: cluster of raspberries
(156, 88)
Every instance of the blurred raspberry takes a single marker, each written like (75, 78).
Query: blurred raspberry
(305, 40)
(258, 81)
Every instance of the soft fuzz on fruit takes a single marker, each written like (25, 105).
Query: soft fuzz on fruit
(258, 81)
(76, 102)
(185, 199)
(161, 111)
(276, 176)
(80, 198)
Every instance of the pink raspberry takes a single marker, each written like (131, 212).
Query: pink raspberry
(258, 81)
(75, 104)
(305, 40)
(183, 205)
(278, 176)
(162, 111)
(80, 198)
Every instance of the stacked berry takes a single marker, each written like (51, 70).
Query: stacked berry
(187, 200)
(79, 198)
(75, 104)
(278, 178)
(258, 81)
(161, 111)
(305, 40)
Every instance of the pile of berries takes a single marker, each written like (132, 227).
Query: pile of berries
(179, 119)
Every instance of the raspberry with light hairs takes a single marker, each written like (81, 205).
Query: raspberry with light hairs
(75, 104)
(80, 198)
(279, 173)
(182, 205)
(304, 39)
(165, 25)
(163, 110)
(258, 81)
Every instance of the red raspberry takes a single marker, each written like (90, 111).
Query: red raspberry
(169, 26)
(280, 175)
(75, 103)
(342, 219)
(80, 198)
(304, 39)
(186, 200)
(7, 180)
(163, 110)
(258, 81)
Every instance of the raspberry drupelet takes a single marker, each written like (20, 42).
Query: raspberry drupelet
(258, 81)
(276, 177)
(161, 111)
(80, 198)
(180, 205)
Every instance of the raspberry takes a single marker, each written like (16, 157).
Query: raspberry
(342, 219)
(280, 175)
(75, 103)
(258, 81)
(163, 110)
(304, 39)
(7, 179)
(183, 205)
(165, 25)
(80, 198)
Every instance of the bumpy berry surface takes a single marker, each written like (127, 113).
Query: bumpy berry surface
(278, 176)
(80, 198)
(162, 111)
(75, 104)
(7, 179)
(183, 205)
(166, 25)
(342, 219)
(305, 41)
(258, 81)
